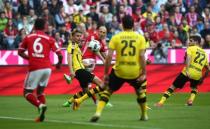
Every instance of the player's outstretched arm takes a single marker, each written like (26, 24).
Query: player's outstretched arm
(107, 64)
(70, 65)
(143, 65)
(100, 56)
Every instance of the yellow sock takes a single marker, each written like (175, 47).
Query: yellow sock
(162, 100)
(88, 94)
(71, 100)
(83, 98)
(192, 96)
(143, 107)
(100, 107)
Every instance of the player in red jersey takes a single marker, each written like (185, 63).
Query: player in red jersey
(38, 46)
(89, 57)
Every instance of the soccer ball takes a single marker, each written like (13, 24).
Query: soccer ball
(94, 45)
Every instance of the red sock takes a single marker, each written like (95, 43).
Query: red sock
(94, 98)
(41, 98)
(32, 99)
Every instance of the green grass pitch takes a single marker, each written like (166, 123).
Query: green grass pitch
(16, 113)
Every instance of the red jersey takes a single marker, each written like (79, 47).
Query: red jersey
(39, 46)
(87, 53)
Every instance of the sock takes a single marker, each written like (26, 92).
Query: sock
(141, 99)
(103, 100)
(193, 94)
(32, 99)
(41, 98)
(77, 95)
(166, 95)
(90, 93)
(94, 98)
(100, 107)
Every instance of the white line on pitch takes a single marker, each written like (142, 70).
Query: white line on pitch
(80, 123)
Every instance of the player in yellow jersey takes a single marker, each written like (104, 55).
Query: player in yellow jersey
(129, 67)
(77, 69)
(196, 61)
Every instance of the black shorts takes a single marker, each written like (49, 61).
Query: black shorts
(181, 79)
(115, 83)
(84, 77)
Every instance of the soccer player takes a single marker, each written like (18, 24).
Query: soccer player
(38, 45)
(89, 58)
(129, 67)
(196, 60)
(77, 68)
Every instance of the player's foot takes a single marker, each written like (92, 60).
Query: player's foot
(158, 104)
(109, 105)
(66, 104)
(67, 78)
(148, 108)
(144, 118)
(76, 104)
(189, 103)
(42, 109)
(95, 118)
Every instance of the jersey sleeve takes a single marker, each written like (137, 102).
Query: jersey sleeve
(207, 60)
(112, 43)
(70, 48)
(189, 52)
(54, 45)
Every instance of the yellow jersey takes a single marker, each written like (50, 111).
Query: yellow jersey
(127, 45)
(73, 48)
(199, 59)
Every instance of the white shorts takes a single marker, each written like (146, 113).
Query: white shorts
(37, 78)
(89, 64)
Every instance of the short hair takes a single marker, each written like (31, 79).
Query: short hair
(127, 22)
(39, 24)
(76, 31)
(196, 38)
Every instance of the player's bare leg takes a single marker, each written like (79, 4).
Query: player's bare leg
(94, 98)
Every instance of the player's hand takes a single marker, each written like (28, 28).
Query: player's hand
(58, 65)
(141, 78)
(106, 80)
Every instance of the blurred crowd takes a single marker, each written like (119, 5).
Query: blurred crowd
(164, 23)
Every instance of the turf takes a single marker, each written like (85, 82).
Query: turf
(16, 113)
